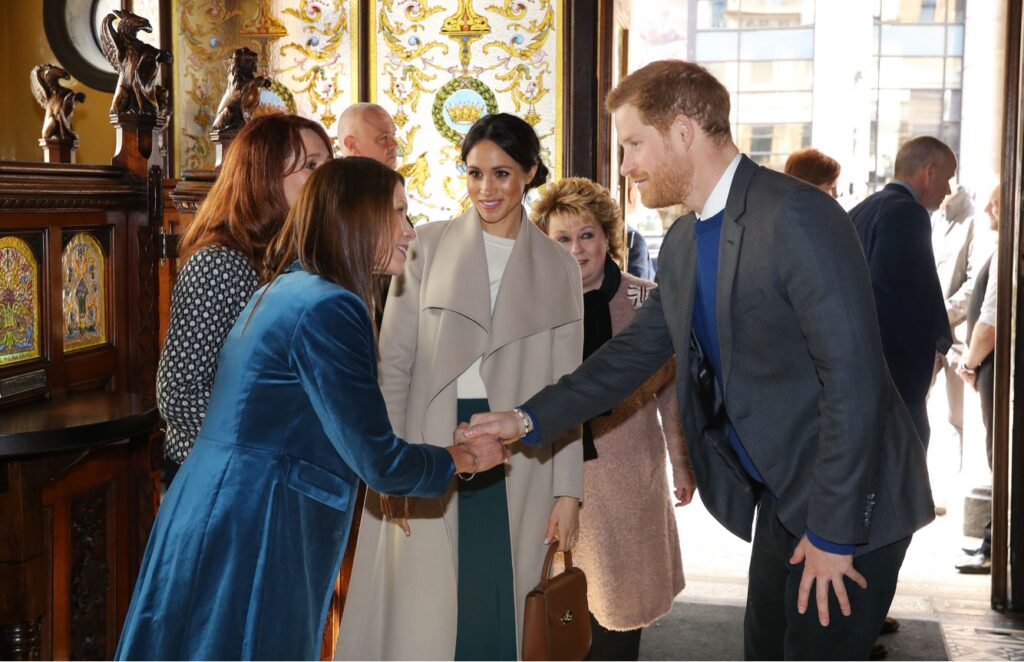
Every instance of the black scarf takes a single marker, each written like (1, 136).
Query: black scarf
(597, 330)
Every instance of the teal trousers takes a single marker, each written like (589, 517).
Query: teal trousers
(486, 594)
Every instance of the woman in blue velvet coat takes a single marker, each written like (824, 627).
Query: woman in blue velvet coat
(249, 539)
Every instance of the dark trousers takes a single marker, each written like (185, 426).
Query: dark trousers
(608, 644)
(486, 623)
(772, 628)
(985, 379)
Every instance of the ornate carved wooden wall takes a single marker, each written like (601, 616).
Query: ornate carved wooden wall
(79, 450)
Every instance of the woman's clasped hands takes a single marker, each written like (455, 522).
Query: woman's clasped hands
(471, 456)
(480, 453)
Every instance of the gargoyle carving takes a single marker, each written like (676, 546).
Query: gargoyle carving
(242, 95)
(137, 64)
(58, 102)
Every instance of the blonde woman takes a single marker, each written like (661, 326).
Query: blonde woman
(629, 584)
(489, 310)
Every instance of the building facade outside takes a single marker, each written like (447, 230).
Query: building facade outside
(853, 79)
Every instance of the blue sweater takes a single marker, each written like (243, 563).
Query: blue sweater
(708, 234)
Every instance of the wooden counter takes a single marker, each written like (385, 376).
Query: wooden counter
(79, 487)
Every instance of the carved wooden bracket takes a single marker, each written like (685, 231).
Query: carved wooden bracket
(138, 65)
(140, 106)
(241, 97)
(57, 139)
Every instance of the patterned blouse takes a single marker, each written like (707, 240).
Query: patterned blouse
(212, 289)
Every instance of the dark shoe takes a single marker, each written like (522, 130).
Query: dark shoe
(971, 551)
(878, 651)
(979, 564)
(890, 625)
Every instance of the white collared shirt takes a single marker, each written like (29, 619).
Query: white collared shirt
(720, 194)
(987, 314)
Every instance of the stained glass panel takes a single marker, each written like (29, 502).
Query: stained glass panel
(85, 305)
(19, 302)
(437, 67)
(308, 48)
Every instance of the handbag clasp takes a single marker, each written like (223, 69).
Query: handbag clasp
(567, 617)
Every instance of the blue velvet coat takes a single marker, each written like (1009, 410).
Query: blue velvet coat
(249, 539)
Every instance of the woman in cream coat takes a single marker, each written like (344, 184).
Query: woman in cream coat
(441, 321)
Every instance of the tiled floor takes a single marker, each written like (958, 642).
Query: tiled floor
(966, 642)
(930, 588)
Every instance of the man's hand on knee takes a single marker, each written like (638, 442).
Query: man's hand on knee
(822, 568)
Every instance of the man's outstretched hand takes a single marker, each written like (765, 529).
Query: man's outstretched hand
(478, 453)
(505, 425)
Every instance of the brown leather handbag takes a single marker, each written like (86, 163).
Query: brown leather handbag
(556, 624)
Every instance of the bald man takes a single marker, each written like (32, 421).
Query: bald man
(366, 129)
(895, 230)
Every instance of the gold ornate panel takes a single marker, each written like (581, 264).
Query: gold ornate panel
(309, 48)
(19, 302)
(84, 273)
(438, 66)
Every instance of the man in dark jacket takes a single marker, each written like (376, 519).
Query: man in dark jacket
(895, 229)
(639, 261)
(765, 299)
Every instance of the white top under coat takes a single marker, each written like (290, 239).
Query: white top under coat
(498, 250)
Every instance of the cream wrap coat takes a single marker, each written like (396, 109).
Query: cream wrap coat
(402, 596)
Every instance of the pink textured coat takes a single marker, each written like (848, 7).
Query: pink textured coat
(628, 544)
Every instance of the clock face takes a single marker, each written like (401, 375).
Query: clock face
(73, 30)
(150, 9)
(98, 10)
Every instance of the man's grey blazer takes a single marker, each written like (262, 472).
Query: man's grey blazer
(805, 383)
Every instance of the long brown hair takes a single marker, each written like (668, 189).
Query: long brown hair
(246, 207)
(341, 226)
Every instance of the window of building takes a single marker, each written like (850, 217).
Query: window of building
(919, 48)
(763, 52)
(892, 70)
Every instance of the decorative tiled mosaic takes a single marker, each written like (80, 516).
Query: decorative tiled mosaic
(85, 305)
(438, 67)
(19, 302)
(308, 48)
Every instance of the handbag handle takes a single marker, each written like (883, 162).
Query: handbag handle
(549, 559)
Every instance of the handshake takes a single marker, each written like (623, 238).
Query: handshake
(480, 444)
(476, 446)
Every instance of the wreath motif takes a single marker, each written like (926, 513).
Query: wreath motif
(449, 88)
(282, 93)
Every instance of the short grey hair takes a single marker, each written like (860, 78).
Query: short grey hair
(920, 152)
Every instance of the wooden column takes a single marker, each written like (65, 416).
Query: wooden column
(134, 150)
(58, 151)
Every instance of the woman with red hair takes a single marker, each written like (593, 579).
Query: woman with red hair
(261, 177)
(815, 168)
